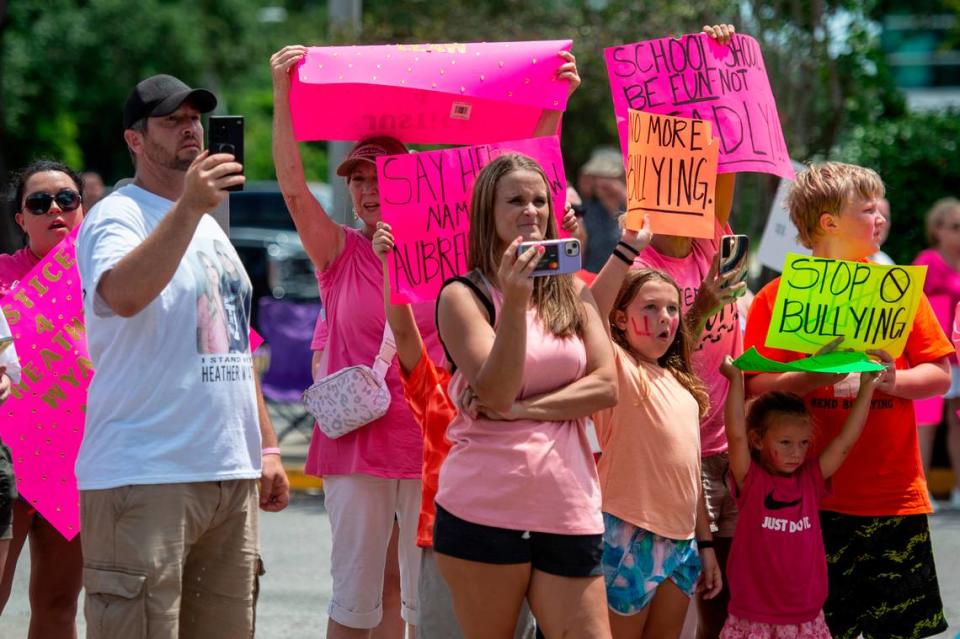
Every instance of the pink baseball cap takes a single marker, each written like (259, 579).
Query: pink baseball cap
(368, 150)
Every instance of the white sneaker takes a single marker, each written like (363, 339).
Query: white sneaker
(954, 503)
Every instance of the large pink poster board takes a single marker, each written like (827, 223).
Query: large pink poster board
(426, 197)
(428, 93)
(694, 77)
(43, 419)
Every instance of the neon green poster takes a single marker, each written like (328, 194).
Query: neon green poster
(871, 306)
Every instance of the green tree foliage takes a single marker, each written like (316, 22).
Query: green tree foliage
(916, 155)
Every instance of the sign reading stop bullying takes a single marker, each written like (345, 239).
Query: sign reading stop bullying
(871, 306)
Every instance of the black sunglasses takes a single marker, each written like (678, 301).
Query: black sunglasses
(39, 203)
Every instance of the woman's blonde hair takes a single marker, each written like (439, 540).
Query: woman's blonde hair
(827, 188)
(677, 358)
(937, 216)
(554, 297)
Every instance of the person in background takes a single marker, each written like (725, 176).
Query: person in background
(880, 257)
(93, 189)
(605, 199)
(942, 288)
(48, 200)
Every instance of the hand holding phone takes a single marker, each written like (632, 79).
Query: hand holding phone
(226, 136)
(734, 250)
(559, 256)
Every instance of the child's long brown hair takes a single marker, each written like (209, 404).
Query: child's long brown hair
(677, 358)
(555, 297)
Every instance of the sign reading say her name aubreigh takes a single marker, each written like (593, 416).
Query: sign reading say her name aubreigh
(425, 197)
(671, 175)
(871, 306)
(42, 421)
(694, 77)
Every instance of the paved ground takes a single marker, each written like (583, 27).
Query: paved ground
(295, 591)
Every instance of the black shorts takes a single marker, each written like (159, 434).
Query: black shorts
(8, 493)
(882, 579)
(562, 555)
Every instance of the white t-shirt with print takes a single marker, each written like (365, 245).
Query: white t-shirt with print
(173, 397)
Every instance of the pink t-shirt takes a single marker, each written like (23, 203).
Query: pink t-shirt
(942, 286)
(352, 291)
(526, 475)
(721, 336)
(14, 266)
(777, 568)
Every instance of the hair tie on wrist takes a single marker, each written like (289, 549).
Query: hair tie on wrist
(270, 451)
(703, 544)
(629, 248)
(621, 256)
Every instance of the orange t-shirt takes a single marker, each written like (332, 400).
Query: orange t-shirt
(883, 474)
(425, 390)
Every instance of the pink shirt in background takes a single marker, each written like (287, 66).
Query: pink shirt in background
(942, 286)
(721, 337)
(525, 475)
(777, 568)
(14, 266)
(352, 291)
(650, 466)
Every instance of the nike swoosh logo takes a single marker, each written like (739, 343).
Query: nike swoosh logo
(773, 504)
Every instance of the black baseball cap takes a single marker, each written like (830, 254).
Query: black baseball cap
(161, 95)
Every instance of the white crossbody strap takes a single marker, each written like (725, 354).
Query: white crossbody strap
(388, 348)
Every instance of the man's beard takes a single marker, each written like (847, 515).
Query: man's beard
(159, 155)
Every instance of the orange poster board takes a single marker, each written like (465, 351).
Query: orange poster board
(671, 174)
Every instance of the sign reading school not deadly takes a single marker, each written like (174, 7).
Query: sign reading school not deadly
(425, 197)
(671, 175)
(871, 306)
(697, 78)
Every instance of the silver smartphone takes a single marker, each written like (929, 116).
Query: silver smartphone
(559, 256)
(733, 252)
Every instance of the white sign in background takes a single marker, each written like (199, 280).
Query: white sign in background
(780, 235)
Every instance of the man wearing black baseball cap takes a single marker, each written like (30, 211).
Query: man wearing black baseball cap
(176, 432)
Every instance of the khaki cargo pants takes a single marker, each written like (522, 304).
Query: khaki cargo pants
(171, 561)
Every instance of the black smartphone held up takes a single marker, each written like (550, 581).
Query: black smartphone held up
(559, 256)
(733, 255)
(226, 136)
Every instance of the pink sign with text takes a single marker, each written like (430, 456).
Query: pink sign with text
(694, 77)
(42, 421)
(469, 93)
(425, 197)
(43, 418)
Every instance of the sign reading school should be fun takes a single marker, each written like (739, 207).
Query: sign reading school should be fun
(694, 77)
(871, 306)
(671, 175)
(425, 197)
(453, 93)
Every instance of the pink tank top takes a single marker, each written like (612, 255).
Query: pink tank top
(526, 475)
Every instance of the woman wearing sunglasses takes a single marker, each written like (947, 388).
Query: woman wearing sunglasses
(49, 204)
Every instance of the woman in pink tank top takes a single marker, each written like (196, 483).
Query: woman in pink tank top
(518, 505)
